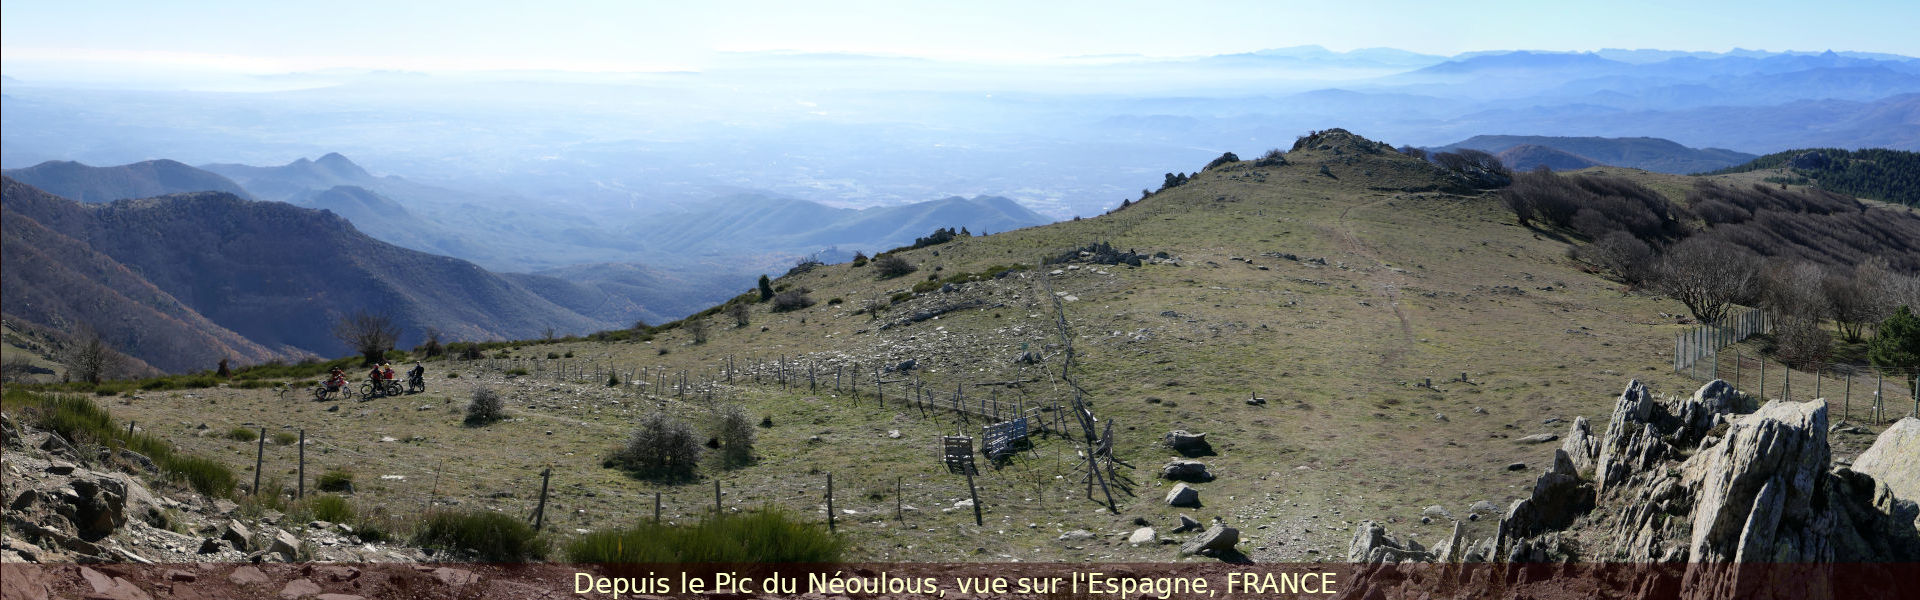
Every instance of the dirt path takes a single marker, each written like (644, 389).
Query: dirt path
(1386, 284)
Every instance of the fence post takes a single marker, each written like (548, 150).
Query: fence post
(896, 499)
(975, 495)
(656, 508)
(259, 460)
(540, 511)
(1786, 391)
(1846, 407)
(830, 519)
(303, 463)
(1879, 410)
(716, 497)
(1763, 380)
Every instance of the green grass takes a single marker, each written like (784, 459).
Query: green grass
(762, 536)
(335, 480)
(77, 418)
(487, 535)
(285, 439)
(242, 434)
(330, 508)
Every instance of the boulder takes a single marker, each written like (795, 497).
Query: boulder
(1143, 535)
(1216, 540)
(1182, 495)
(1756, 489)
(99, 506)
(1186, 524)
(1538, 438)
(284, 544)
(1581, 446)
(1186, 470)
(1187, 444)
(1371, 545)
(237, 534)
(1894, 459)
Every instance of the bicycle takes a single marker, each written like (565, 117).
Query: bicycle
(323, 393)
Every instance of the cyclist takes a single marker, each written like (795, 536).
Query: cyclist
(336, 379)
(417, 373)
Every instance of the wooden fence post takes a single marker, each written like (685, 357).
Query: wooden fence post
(303, 463)
(259, 460)
(656, 508)
(830, 519)
(716, 497)
(540, 510)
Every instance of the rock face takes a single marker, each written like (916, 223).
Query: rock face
(1692, 480)
(1187, 444)
(1894, 459)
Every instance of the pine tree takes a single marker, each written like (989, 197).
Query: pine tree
(766, 288)
(1896, 343)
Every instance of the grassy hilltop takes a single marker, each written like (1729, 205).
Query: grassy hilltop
(1334, 286)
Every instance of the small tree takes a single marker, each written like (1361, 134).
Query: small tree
(662, 448)
(431, 347)
(735, 431)
(1896, 342)
(740, 313)
(766, 288)
(370, 334)
(486, 407)
(891, 266)
(89, 359)
(698, 328)
(1708, 275)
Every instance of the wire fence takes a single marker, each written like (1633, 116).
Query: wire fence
(1872, 395)
(1703, 342)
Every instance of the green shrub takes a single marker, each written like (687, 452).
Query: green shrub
(330, 508)
(487, 535)
(206, 475)
(242, 434)
(335, 480)
(762, 536)
(285, 439)
(517, 372)
(735, 430)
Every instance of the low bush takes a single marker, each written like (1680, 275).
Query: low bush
(791, 300)
(662, 448)
(335, 480)
(891, 266)
(330, 508)
(486, 407)
(285, 439)
(484, 534)
(242, 434)
(761, 536)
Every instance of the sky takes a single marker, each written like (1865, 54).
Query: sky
(41, 38)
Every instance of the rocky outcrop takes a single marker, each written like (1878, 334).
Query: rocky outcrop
(1690, 480)
(1894, 459)
(1372, 545)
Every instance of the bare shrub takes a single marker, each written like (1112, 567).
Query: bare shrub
(740, 313)
(1622, 254)
(891, 266)
(791, 300)
(486, 407)
(89, 359)
(735, 430)
(1707, 275)
(697, 328)
(370, 334)
(662, 447)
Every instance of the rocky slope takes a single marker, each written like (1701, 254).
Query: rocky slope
(1701, 480)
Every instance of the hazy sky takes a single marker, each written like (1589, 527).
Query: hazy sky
(267, 37)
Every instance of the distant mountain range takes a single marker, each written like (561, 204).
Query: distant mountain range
(1524, 152)
(75, 181)
(184, 279)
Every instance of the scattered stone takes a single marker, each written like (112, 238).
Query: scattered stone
(1182, 495)
(60, 467)
(287, 546)
(1143, 535)
(1187, 524)
(1076, 535)
(1538, 438)
(1436, 511)
(210, 546)
(1187, 444)
(1519, 466)
(238, 535)
(1186, 470)
(1216, 540)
